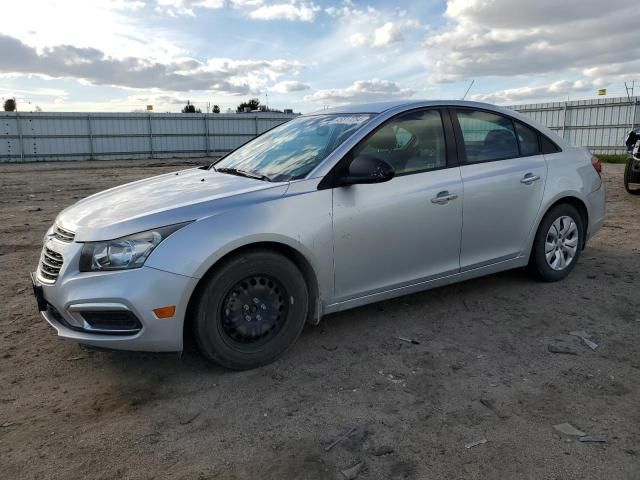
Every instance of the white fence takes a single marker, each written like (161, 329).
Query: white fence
(600, 125)
(27, 137)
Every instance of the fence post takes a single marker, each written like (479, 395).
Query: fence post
(564, 119)
(150, 136)
(19, 128)
(206, 133)
(256, 119)
(91, 157)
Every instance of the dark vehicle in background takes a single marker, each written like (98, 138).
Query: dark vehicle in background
(632, 170)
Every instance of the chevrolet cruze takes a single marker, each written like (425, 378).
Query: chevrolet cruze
(329, 211)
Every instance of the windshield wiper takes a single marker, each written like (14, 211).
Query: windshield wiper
(242, 173)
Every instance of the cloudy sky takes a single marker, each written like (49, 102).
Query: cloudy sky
(120, 55)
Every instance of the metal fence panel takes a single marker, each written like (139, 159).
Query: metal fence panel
(102, 136)
(600, 124)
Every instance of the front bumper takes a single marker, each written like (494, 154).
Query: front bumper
(75, 297)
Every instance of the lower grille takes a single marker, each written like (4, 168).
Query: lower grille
(121, 322)
(50, 265)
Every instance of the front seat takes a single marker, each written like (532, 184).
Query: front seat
(385, 142)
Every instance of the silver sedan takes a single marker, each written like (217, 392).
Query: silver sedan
(329, 211)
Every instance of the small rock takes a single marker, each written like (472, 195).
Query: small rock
(382, 450)
(352, 472)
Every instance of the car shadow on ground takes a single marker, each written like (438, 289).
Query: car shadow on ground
(349, 321)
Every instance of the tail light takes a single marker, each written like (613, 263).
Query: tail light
(596, 164)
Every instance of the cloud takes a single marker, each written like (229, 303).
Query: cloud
(358, 40)
(37, 92)
(537, 93)
(521, 37)
(285, 11)
(293, 10)
(289, 86)
(185, 7)
(161, 99)
(234, 77)
(365, 27)
(387, 34)
(361, 91)
(131, 5)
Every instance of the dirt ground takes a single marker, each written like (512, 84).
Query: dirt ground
(482, 370)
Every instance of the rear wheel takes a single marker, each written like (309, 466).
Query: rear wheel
(251, 310)
(557, 244)
(631, 177)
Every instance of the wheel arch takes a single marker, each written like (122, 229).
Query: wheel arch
(575, 202)
(300, 260)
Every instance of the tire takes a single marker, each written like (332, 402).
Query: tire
(631, 177)
(250, 310)
(559, 265)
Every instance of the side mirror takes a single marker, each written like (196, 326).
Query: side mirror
(367, 169)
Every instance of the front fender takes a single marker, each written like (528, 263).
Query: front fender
(300, 220)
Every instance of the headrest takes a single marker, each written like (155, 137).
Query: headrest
(499, 136)
(384, 139)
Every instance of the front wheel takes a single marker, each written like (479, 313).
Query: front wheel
(557, 244)
(631, 177)
(251, 310)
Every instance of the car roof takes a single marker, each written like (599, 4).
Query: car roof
(379, 107)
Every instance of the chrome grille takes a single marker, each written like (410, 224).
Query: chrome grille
(50, 265)
(62, 234)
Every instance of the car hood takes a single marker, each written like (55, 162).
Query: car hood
(163, 200)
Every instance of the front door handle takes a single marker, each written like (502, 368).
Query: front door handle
(529, 178)
(444, 197)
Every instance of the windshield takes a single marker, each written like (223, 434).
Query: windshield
(291, 150)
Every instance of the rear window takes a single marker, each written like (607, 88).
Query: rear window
(547, 146)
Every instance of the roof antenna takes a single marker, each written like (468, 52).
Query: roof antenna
(465, 93)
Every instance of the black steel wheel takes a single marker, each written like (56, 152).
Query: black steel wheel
(254, 310)
(250, 309)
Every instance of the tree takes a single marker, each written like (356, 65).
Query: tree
(216, 109)
(10, 105)
(253, 104)
(189, 108)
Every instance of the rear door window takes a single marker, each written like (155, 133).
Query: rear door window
(487, 136)
(528, 140)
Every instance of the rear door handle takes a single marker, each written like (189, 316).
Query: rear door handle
(529, 178)
(444, 197)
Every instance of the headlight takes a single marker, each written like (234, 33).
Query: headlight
(123, 253)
